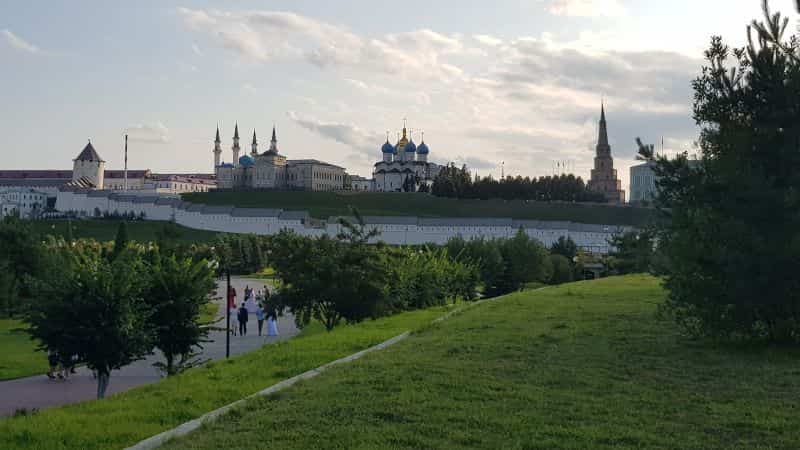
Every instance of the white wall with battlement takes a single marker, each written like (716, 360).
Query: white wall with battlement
(401, 230)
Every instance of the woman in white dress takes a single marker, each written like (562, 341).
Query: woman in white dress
(272, 323)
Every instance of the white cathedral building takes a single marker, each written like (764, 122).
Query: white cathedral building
(405, 166)
(271, 170)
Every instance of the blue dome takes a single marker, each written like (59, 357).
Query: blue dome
(388, 148)
(411, 147)
(246, 161)
(423, 148)
(226, 166)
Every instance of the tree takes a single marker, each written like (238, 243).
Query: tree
(730, 233)
(93, 308)
(121, 240)
(565, 247)
(21, 257)
(632, 252)
(177, 291)
(562, 269)
(525, 260)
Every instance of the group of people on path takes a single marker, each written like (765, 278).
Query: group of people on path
(60, 367)
(255, 303)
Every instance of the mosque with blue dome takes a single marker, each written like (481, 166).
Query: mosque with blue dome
(405, 166)
(271, 170)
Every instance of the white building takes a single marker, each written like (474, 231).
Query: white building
(271, 170)
(361, 184)
(405, 166)
(642, 183)
(24, 203)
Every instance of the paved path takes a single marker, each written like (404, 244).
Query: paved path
(40, 392)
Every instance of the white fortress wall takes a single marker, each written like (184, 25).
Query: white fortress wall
(397, 230)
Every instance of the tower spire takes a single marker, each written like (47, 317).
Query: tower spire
(602, 138)
(273, 143)
(236, 131)
(217, 139)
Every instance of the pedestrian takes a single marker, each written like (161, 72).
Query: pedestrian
(52, 360)
(232, 298)
(272, 322)
(243, 320)
(260, 318)
(233, 313)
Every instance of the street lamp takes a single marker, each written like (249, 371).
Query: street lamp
(228, 314)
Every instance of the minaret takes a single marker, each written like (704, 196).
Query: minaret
(273, 143)
(217, 149)
(236, 147)
(254, 145)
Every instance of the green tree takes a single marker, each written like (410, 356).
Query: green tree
(121, 240)
(525, 260)
(177, 291)
(731, 234)
(21, 257)
(632, 252)
(562, 269)
(565, 247)
(93, 308)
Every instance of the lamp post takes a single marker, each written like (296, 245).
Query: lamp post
(228, 315)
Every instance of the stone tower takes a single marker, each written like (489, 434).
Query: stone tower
(236, 147)
(217, 149)
(89, 165)
(604, 177)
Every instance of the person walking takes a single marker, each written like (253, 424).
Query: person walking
(243, 320)
(52, 360)
(260, 318)
(272, 323)
(234, 315)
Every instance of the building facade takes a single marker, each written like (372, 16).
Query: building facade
(271, 170)
(643, 184)
(23, 203)
(604, 178)
(404, 167)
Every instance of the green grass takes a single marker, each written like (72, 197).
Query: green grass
(18, 355)
(127, 418)
(580, 366)
(325, 204)
(106, 230)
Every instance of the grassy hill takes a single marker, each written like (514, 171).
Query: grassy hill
(325, 204)
(585, 365)
(106, 230)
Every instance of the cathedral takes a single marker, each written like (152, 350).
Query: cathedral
(271, 170)
(405, 166)
(604, 178)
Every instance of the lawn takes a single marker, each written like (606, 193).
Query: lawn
(586, 365)
(324, 204)
(127, 418)
(18, 355)
(106, 230)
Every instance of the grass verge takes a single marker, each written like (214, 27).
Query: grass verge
(585, 365)
(131, 416)
(18, 355)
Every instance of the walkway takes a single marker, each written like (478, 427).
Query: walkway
(40, 392)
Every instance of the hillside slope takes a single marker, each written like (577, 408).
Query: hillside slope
(325, 204)
(585, 365)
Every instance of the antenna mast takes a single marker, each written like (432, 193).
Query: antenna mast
(125, 171)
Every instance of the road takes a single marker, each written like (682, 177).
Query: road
(40, 392)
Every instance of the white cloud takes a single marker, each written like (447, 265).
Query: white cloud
(485, 39)
(587, 8)
(154, 133)
(18, 43)
(196, 49)
(351, 135)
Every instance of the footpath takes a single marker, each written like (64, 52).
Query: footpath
(39, 392)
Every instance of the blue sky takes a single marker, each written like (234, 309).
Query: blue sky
(514, 81)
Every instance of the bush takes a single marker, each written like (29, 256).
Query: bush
(562, 269)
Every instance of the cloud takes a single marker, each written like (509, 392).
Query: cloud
(18, 43)
(154, 133)
(196, 49)
(587, 8)
(485, 39)
(362, 141)
(268, 36)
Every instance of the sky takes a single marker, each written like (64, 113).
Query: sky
(512, 85)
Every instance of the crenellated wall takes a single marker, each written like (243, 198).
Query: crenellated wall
(403, 230)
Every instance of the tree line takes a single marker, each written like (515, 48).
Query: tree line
(458, 183)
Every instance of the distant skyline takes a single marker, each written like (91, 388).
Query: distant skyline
(514, 81)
